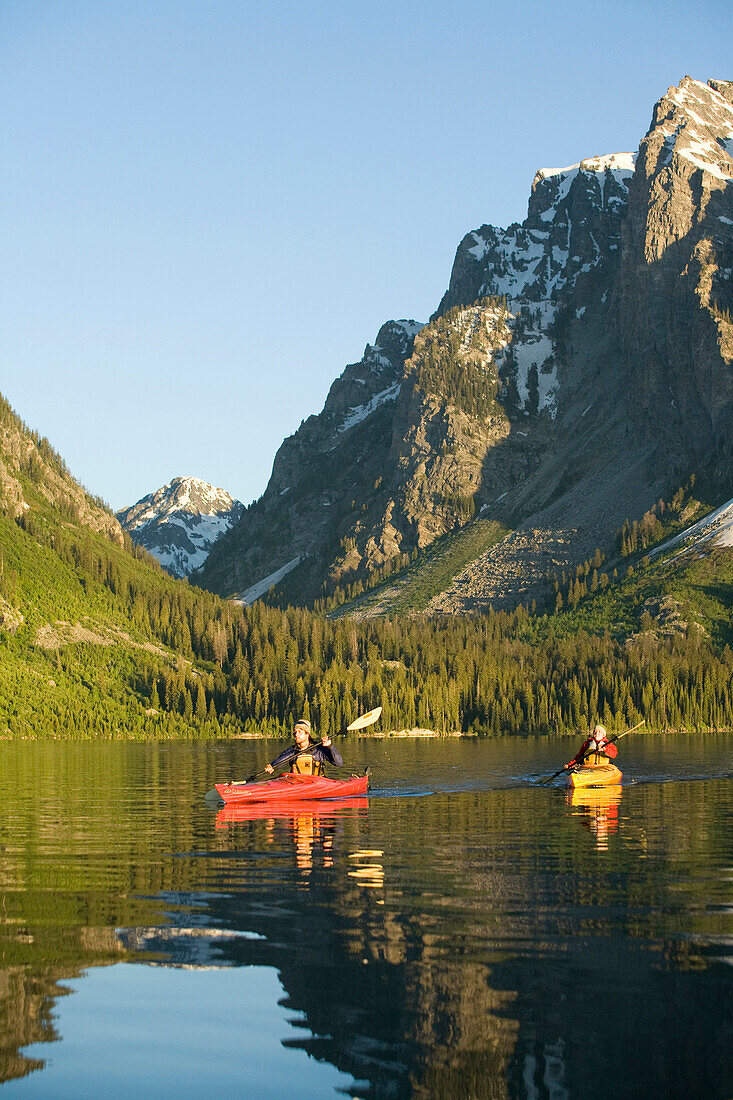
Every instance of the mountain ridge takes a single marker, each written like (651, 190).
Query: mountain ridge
(27, 455)
(575, 371)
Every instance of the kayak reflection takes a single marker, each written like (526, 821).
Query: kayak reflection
(598, 806)
(263, 811)
(313, 824)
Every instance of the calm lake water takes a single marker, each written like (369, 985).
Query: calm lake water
(463, 932)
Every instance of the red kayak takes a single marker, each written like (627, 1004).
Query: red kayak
(295, 788)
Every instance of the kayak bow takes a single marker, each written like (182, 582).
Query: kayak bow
(293, 788)
(595, 775)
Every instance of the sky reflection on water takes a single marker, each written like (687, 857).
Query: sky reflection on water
(136, 1030)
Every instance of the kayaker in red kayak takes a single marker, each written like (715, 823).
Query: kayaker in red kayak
(596, 749)
(306, 762)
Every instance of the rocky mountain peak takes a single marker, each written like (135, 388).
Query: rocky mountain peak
(689, 147)
(695, 112)
(192, 495)
(578, 361)
(572, 226)
(180, 522)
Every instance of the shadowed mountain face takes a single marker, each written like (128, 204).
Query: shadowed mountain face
(577, 368)
(180, 523)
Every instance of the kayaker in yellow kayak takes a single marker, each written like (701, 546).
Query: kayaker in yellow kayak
(596, 749)
(305, 761)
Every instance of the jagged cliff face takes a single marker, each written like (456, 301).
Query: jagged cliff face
(675, 290)
(325, 479)
(437, 422)
(180, 523)
(565, 246)
(577, 362)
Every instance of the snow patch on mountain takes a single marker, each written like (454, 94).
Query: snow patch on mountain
(715, 528)
(256, 591)
(535, 353)
(411, 328)
(360, 413)
(620, 165)
(531, 259)
(529, 349)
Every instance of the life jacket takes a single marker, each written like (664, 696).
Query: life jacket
(604, 750)
(306, 765)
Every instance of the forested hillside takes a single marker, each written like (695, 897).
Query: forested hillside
(96, 640)
(87, 620)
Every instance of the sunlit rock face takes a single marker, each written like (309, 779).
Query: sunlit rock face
(675, 286)
(577, 368)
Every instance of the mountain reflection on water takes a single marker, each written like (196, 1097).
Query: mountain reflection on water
(494, 938)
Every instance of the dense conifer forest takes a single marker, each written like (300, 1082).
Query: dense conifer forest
(157, 657)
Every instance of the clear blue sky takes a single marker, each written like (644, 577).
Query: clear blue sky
(209, 207)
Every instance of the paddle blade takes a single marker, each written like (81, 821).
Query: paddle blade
(365, 720)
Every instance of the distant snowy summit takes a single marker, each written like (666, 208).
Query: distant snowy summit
(180, 523)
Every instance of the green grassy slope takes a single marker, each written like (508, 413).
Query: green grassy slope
(98, 626)
(655, 588)
(89, 623)
(700, 584)
(411, 590)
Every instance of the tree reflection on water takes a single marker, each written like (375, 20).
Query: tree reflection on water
(471, 944)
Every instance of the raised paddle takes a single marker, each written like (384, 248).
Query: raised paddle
(359, 723)
(590, 752)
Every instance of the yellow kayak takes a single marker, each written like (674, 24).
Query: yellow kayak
(594, 775)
